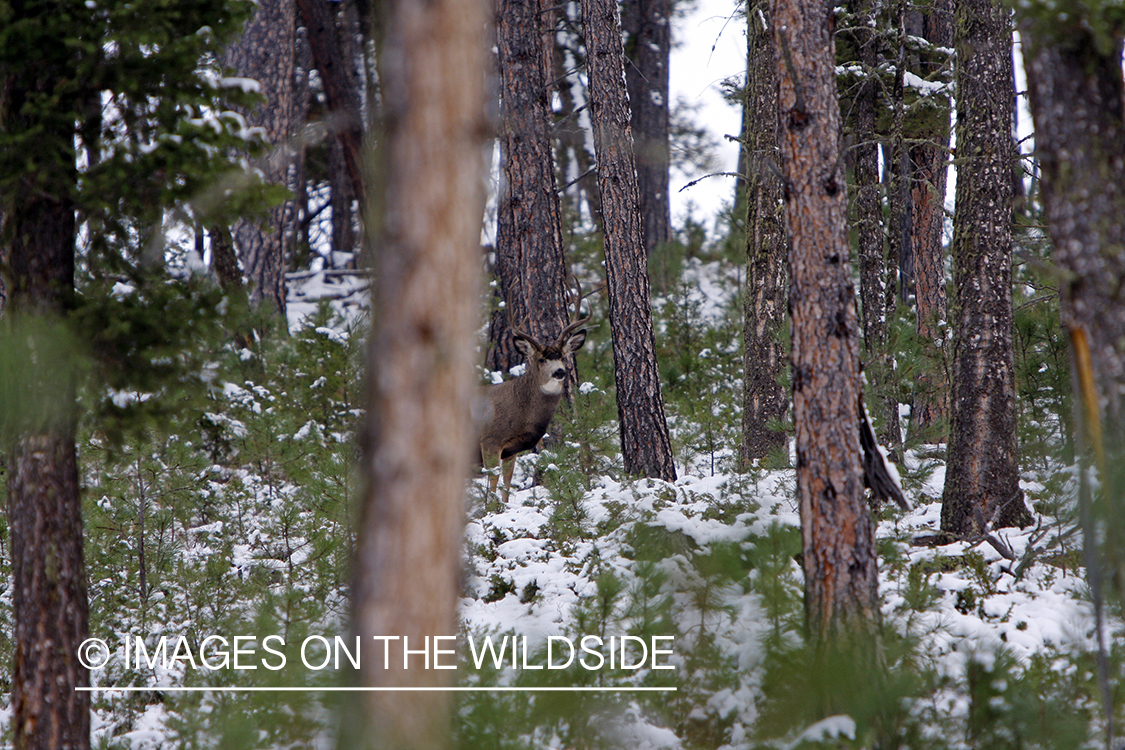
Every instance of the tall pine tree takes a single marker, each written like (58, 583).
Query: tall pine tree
(982, 474)
(92, 136)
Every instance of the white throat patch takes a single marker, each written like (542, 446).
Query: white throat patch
(552, 387)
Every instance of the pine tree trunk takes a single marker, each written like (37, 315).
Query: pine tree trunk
(49, 592)
(530, 262)
(1078, 105)
(982, 470)
(838, 534)
(648, 41)
(418, 436)
(869, 226)
(896, 170)
(266, 52)
(929, 160)
(764, 401)
(49, 596)
(645, 445)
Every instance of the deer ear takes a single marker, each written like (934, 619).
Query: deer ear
(524, 345)
(575, 342)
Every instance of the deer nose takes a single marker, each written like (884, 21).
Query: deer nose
(559, 374)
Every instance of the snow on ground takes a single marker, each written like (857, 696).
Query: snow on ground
(980, 602)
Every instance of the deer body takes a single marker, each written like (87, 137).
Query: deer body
(514, 415)
(509, 434)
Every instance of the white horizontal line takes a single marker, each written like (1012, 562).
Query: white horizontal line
(452, 689)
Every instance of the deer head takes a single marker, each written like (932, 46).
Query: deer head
(514, 415)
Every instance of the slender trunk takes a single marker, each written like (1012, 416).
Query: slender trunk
(869, 228)
(930, 160)
(898, 235)
(764, 401)
(645, 445)
(576, 164)
(647, 27)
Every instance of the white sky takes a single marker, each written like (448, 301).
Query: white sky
(710, 46)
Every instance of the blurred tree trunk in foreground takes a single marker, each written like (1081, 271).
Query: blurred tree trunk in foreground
(38, 412)
(418, 437)
(1078, 104)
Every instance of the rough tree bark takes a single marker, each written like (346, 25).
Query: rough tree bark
(645, 445)
(49, 598)
(929, 159)
(982, 471)
(764, 401)
(648, 42)
(418, 437)
(838, 534)
(530, 260)
(869, 224)
(266, 52)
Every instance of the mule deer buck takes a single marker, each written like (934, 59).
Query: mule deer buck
(514, 415)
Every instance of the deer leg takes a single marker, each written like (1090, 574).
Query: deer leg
(490, 462)
(509, 467)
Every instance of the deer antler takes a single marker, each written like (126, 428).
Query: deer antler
(578, 321)
(519, 329)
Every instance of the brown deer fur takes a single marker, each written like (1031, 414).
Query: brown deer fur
(513, 416)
